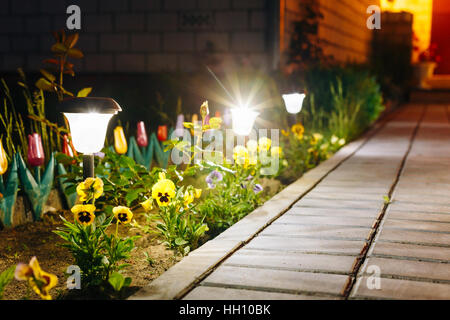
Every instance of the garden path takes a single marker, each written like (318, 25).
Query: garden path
(344, 239)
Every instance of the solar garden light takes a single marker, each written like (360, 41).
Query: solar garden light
(88, 120)
(293, 102)
(243, 120)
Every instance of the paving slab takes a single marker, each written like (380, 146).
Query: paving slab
(421, 216)
(421, 207)
(437, 226)
(218, 293)
(318, 194)
(293, 219)
(293, 261)
(405, 251)
(266, 279)
(401, 289)
(319, 203)
(320, 231)
(325, 188)
(424, 270)
(334, 212)
(346, 247)
(417, 237)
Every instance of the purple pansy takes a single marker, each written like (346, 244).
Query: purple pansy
(212, 178)
(257, 188)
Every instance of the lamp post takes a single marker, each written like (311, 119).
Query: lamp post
(242, 120)
(88, 120)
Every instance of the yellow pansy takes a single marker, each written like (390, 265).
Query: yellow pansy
(197, 193)
(298, 130)
(316, 137)
(275, 152)
(84, 213)
(161, 176)
(163, 191)
(240, 155)
(40, 281)
(188, 197)
(284, 132)
(122, 214)
(264, 144)
(215, 122)
(91, 188)
(147, 204)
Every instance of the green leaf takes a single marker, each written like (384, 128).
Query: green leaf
(72, 40)
(5, 278)
(48, 75)
(131, 196)
(117, 281)
(45, 85)
(75, 53)
(84, 92)
(127, 282)
(58, 48)
(180, 242)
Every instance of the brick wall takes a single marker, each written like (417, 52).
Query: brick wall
(342, 31)
(139, 35)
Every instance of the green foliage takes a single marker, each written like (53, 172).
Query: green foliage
(98, 254)
(5, 278)
(118, 281)
(62, 49)
(36, 188)
(126, 182)
(179, 223)
(12, 122)
(232, 198)
(9, 195)
(341, 100)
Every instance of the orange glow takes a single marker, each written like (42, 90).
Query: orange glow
(422, 11)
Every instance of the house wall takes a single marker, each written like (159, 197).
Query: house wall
(342, 31)
(127, 36)
(422, 15)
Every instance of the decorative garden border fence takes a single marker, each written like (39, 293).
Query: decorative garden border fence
(37, 188)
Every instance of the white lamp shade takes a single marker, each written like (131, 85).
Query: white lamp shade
(88, 130)
(293, 102)
(243, 120)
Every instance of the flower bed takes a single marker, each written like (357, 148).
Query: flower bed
(154, 197)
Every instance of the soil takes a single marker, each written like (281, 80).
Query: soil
(20, 243)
